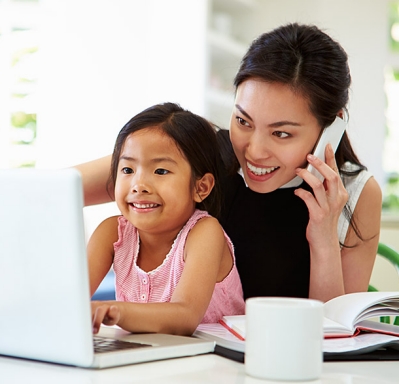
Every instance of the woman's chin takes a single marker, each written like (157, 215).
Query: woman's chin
(260, 184)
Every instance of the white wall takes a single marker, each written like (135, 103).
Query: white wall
(103, 61)
(361, 27)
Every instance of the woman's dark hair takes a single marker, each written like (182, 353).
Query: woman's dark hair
(313, 65)
(194, 136)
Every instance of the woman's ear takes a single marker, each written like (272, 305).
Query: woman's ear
(203, 187)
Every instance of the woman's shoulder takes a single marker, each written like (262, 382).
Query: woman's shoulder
(354, 177)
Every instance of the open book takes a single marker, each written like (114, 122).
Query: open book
(232, 347)
(345, 316)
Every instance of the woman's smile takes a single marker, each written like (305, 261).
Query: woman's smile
(258, 171)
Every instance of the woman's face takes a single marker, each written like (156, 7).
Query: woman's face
(272, 130)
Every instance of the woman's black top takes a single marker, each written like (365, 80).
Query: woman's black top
(268, 231)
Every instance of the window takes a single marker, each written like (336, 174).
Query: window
(19, 46)
(391, 153)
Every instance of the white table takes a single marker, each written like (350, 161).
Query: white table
(208, 368)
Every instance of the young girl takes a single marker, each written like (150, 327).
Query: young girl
(174, 264)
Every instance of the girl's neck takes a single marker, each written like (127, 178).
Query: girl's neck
(154, 249)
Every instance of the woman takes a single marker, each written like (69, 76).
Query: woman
(318, 240)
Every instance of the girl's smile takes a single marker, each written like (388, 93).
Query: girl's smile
(143, 206)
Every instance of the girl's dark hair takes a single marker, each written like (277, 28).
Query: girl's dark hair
(194, 136)
(313, 65)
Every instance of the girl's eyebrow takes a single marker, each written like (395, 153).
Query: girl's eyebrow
(276, 124)
(156, 160)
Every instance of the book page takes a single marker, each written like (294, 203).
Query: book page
(332, 328)
(236, 323)
(360, 344)
(346, 309)
(220, 335)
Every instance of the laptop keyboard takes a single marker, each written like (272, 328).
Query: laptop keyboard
(104, 344)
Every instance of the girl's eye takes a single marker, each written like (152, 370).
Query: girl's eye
(161, 171)
(281, 134)
(127, 170)
(241, 121)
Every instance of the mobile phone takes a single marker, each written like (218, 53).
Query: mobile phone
(331, 134)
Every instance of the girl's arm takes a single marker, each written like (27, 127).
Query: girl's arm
(334, 272)
(207, 261)
(95, 176)
(100, 251)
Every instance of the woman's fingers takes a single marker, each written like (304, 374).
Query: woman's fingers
(332, 187)
(329, 196)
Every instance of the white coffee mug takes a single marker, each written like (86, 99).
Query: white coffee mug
(284, 338)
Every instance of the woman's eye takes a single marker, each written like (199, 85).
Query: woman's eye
(127, 170)
(281, 134)
(241, 121)
(161, 171)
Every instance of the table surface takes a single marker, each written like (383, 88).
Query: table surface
(209, 368)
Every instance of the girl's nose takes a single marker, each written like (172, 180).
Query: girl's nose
(140, 184)
(140, 188)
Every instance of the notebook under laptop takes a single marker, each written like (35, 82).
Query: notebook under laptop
(44, 287)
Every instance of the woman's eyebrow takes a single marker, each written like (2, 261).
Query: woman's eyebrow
(243, 112)
(283, 123)
(276, 124)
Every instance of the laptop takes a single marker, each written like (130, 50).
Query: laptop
(44, 285)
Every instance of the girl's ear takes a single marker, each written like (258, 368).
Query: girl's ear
(203, 187)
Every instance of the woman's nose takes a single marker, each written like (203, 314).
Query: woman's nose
(258, 147)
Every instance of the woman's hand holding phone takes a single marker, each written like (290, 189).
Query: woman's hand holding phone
(330, 135)
(327, 201)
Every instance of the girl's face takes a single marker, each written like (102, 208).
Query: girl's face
(272, 130)
(153, 188)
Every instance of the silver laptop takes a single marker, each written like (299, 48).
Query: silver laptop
(44, 285)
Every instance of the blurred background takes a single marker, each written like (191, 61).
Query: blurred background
(73, 72)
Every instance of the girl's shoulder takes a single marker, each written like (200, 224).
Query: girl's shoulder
(202, 222)
(109, 223)
(107, 231)
(199, 219)
(208, 229)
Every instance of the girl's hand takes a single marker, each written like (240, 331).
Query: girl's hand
(326, 203)
(104, 312)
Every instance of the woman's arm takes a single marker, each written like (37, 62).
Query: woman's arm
(95, 176)
(332, 272)
(358, 262)
(205, 264)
